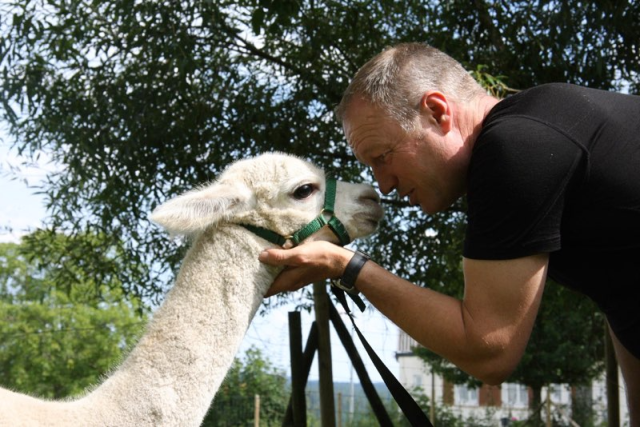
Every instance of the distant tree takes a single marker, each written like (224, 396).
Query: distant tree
(566, 347)
(566, 344)
(54, 341)
(250, 376)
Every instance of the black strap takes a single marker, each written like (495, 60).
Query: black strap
(407, 404)
(340, 295)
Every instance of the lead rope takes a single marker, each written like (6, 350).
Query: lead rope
(405, 401)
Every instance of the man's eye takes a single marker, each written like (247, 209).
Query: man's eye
(304, 191)
(383, 158)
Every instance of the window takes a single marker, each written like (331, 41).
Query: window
(417, 380)
(465, 395)
(514, 395)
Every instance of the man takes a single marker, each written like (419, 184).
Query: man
(552, 179)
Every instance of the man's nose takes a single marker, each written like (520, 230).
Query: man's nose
(386, 181)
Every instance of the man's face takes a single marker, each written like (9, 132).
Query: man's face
(426, 165)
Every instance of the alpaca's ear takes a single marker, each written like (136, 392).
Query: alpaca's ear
(194, 211)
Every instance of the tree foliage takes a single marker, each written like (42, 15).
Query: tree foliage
(250, 376)
(566, 344)
(567, 325)
(137, 101)
(56, 342)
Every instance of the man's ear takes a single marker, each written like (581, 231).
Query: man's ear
(435, 105)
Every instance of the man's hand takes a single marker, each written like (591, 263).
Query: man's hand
(305, 264)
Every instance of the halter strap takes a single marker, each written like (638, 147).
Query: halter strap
(266, 234)
(335, 225)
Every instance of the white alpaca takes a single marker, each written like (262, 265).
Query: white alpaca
(171, 376)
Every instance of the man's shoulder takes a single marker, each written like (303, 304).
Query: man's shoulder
(557, 91)
(543, 103)
(564, 102)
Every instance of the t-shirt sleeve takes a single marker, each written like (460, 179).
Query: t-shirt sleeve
(519, 176)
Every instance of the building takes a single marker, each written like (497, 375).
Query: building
(505, 402)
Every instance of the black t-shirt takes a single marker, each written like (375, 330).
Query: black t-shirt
(556, 169)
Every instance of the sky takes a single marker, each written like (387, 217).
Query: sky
(23, 210)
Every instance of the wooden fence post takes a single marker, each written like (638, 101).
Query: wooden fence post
(327, 404)
(256, 411)
(339, 409)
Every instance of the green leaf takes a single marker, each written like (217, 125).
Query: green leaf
(257, 20)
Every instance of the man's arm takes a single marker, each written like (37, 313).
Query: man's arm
(485, 334)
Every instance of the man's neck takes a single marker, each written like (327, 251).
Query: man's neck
(477, 111)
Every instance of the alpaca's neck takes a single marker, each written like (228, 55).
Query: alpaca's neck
(172, 375)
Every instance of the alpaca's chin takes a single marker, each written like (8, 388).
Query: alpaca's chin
(366, 223)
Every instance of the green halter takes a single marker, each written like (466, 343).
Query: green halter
(312, 227)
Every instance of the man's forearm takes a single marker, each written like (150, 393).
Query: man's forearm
(436, 321)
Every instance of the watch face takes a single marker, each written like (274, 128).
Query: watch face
(338, 283)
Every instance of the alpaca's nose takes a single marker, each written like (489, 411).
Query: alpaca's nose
(370, 199)
(370, 196)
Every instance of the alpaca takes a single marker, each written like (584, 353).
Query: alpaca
(171, 376)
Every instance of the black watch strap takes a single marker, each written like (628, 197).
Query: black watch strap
(348, 280)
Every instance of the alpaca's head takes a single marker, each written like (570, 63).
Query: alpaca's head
(275, 191)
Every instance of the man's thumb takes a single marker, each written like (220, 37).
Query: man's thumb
(272, 256)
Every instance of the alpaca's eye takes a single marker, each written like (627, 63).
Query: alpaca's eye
(304, 191)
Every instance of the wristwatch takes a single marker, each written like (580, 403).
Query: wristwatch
(348, 280)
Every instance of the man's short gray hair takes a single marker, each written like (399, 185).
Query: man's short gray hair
(395, 80)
